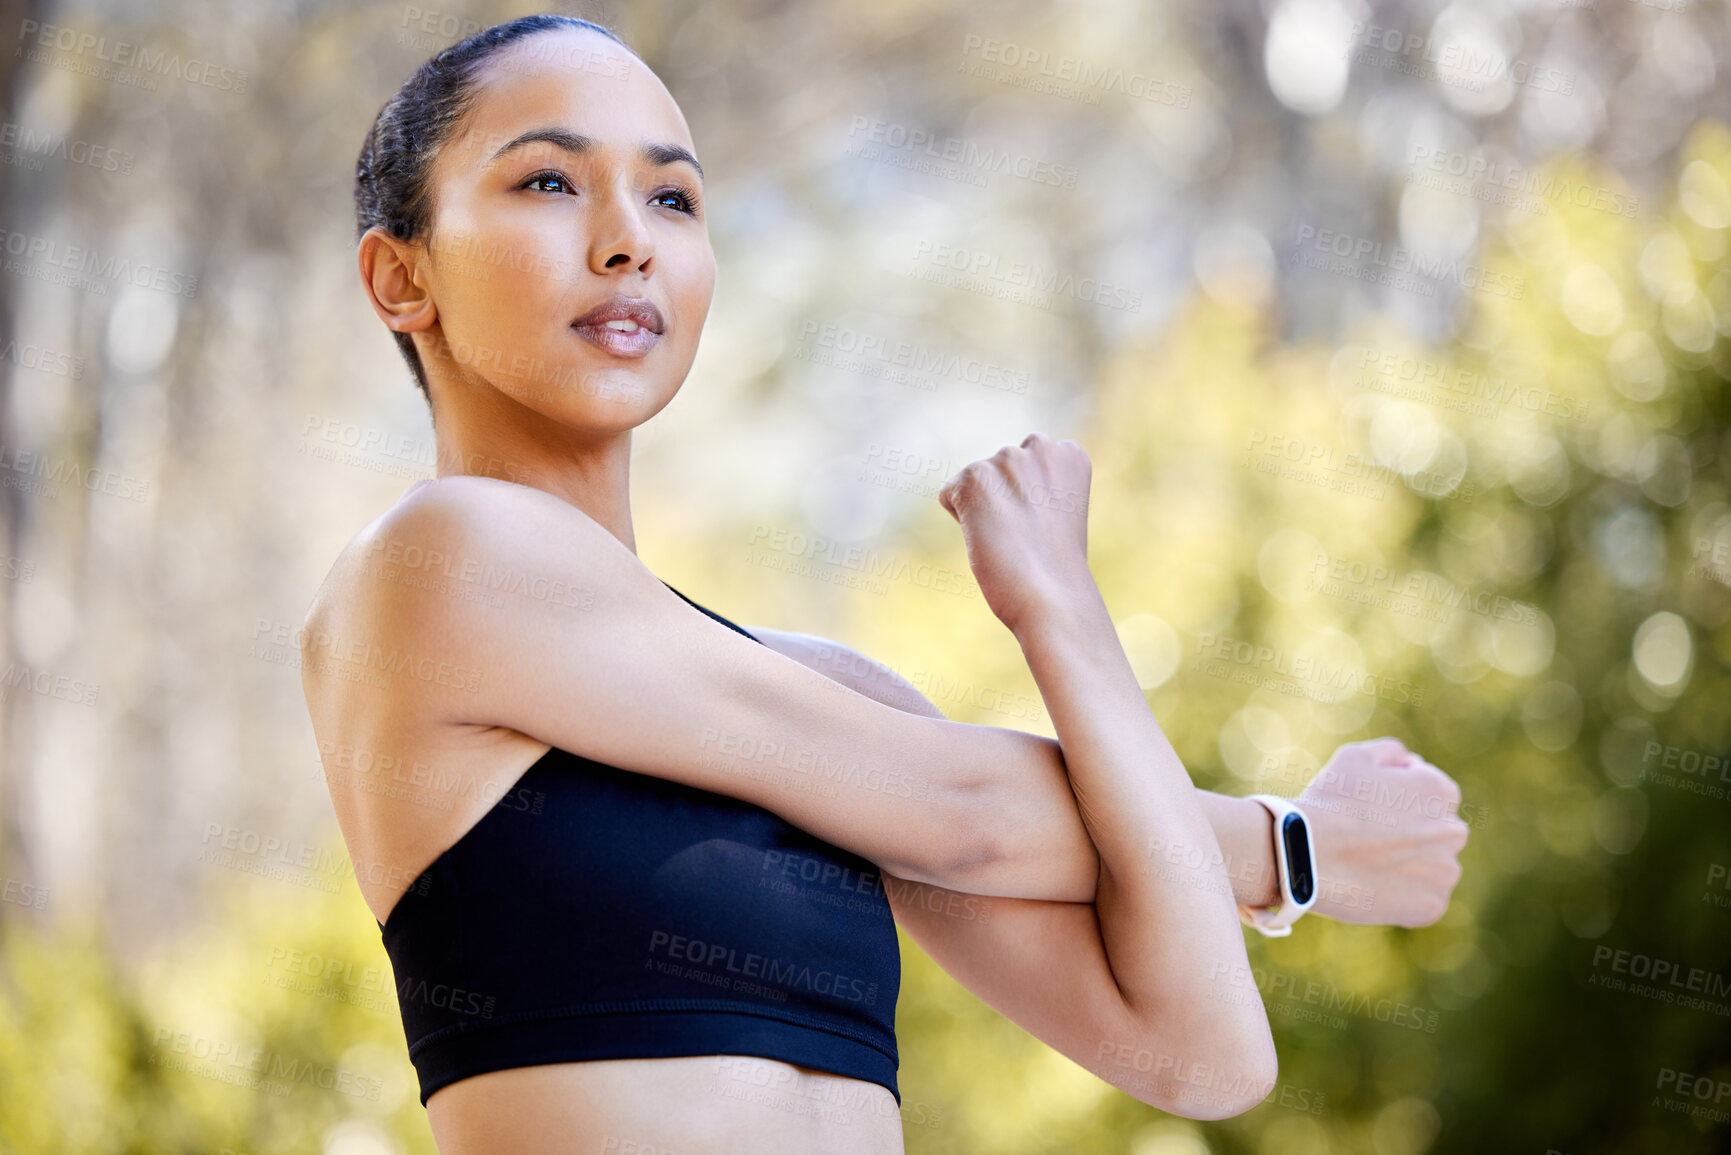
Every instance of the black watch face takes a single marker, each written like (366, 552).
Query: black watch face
(1298, 869)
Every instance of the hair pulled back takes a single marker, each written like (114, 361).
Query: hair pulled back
(393, 185)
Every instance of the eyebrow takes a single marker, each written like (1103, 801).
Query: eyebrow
(656, 154)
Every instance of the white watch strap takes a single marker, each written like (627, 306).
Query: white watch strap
(1276, 921)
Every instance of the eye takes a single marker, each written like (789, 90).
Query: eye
(548, 177)
(687, 200)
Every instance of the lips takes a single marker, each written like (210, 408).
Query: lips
(621, 325)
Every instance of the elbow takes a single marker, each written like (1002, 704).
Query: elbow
(1243, 1086)
(1209, 1084)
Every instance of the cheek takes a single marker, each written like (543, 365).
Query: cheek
(501, 288)
(519, 260)
(532, 274)
(694, 278)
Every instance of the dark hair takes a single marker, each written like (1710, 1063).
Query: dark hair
(393, 188)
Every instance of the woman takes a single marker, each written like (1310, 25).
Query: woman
(641, 895)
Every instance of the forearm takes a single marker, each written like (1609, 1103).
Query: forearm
(1045, 850)
(1245, 831)
(1164, 901)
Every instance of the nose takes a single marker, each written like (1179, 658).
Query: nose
(620, 237)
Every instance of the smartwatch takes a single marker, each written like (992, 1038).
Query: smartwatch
(1295, 864)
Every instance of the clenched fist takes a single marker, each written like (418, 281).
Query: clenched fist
(1024, 515)
(1387, 836)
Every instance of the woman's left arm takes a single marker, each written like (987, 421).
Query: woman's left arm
(1244, 829)
(1381, 859)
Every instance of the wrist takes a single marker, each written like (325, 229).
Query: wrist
(1258, 884)
(1245, 831)
(1068, 609)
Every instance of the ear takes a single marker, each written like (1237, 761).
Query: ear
(390, 272)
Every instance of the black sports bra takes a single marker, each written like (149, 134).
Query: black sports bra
(596, 913)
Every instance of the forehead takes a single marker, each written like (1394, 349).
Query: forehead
(575, 79)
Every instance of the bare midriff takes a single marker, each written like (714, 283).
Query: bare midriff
(701, 1105)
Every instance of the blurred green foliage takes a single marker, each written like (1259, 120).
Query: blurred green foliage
(271, 1027)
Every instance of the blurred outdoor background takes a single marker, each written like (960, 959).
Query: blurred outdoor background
(1399, 335)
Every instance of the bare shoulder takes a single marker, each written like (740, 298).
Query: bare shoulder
(395, 649)
(453, 558)
(457, 528)
(430, 600)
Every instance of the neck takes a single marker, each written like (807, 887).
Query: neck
(483, 433)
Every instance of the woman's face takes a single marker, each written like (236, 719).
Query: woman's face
(570, 183)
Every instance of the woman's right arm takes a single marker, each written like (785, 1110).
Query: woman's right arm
(477, 604)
